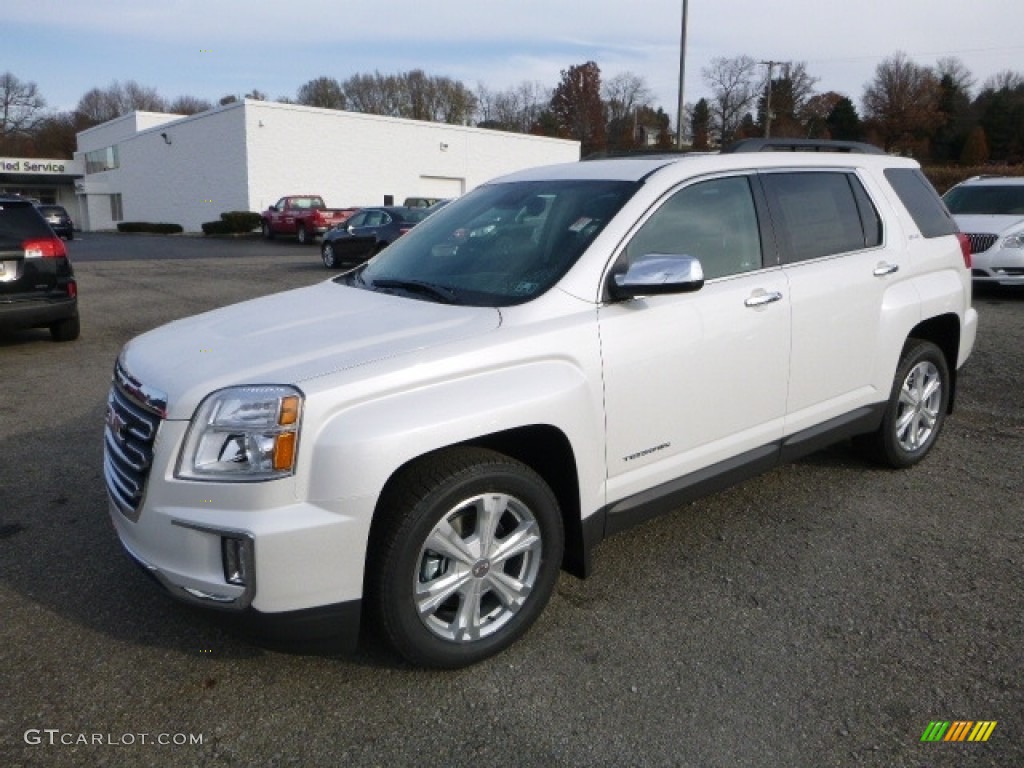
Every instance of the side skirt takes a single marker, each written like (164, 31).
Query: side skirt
(664, 498)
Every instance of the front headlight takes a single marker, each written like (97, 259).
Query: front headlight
(1015, 240)
(243, 434)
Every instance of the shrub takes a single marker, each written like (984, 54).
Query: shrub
(148, 226)
(219, 227)
(241, 221)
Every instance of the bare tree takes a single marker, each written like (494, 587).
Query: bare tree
(1007, 80)
(188, 105)
(325, 92)
(734, 88)
(624, 93)
(21, 108)
(902, 101)
(959, 75)
(99, 105)
(516, 109)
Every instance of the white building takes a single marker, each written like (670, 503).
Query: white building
(244, 156)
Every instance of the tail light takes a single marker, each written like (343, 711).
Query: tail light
(72, 289)
(403, 230)
(965, 248)
(44, 248)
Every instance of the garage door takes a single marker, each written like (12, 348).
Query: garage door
(441, 186)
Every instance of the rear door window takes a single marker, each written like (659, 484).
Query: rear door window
(821, 213)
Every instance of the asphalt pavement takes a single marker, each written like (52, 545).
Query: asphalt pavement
(823, 614)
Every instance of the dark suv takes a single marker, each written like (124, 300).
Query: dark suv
(37, 284)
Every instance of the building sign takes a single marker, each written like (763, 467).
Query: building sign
(39, 165)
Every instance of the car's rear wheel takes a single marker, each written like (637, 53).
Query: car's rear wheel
(66, 330)
(916, 409)
(303, 235)
(330, 258)
(268, 233)
(464, 556)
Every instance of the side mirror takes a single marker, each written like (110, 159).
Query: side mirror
(273, 207)
(657, 273)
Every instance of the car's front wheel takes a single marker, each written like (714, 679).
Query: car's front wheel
(464, 556)
(916, 409)
(268, 233)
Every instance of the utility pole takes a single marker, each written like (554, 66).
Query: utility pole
(682, 76)
(768, 99)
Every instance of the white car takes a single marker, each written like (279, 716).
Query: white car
(990, 210)
(426, 440)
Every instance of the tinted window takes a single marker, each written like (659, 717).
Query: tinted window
(921, 201)
(715, 221)
(19, 221)
(816, 214)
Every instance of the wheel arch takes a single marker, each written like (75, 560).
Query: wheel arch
(944, 332)
(547, 451)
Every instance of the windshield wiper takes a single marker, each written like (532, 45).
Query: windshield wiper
(440, 292)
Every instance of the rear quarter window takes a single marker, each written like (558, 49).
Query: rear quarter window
(921, 201)
(19, 221)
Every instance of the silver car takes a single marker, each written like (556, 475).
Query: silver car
(990, 211)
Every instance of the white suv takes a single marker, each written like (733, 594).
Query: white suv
(562, 353)
(990, 209)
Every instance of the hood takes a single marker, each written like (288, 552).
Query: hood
(978, 224)
(291, 337)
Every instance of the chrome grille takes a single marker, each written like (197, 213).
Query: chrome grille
(133, 418)
(981, 242)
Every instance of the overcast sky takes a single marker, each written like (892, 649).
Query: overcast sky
(209, 48)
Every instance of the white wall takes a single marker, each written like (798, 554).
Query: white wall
(247, 155)
(192, 179)
(354, 159)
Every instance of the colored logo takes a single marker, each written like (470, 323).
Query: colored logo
(958, 730)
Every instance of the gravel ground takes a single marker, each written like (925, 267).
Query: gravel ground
(820, 615)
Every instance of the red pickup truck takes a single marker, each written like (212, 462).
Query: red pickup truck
(305, 216)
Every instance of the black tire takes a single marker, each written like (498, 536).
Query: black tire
(303, 235)
(268, 234)
(66, 330)
(331, 260)
(458, 604)
(916, 409)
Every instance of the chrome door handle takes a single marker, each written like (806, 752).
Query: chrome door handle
(760, 299)
(884, 269)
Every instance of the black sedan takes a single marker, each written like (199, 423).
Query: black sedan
(366, 233)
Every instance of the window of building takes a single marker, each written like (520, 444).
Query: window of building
(101, 160)
(116, 209)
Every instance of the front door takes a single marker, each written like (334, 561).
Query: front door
(697, 378)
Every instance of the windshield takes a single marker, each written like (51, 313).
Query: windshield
(502, 244)
(993, 199)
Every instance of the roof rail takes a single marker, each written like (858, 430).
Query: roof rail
(801, 145)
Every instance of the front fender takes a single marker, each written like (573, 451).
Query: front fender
(357, 449)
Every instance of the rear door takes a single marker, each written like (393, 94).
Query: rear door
(838, 270)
